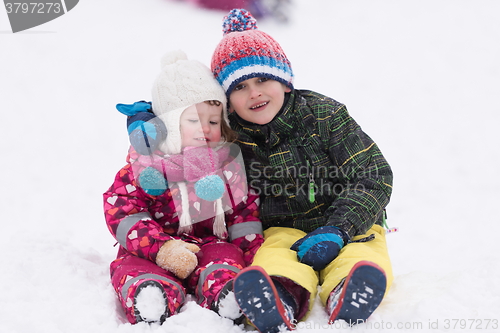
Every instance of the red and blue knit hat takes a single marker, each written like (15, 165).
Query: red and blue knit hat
(246, 52)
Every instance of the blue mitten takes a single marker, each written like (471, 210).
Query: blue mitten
(319, 247)
(146, 131)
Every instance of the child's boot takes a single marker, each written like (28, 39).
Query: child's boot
(150, 303)
(226, 306)
(358, 295)
(266, 303)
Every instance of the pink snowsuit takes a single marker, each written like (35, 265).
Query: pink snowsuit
(141, 223)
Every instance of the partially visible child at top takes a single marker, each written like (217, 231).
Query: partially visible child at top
(181, 212)
(324, 185)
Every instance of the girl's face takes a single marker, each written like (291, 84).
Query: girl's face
(258, 100)
(200, 125)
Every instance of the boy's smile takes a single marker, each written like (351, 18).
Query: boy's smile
(258, 100)
(259, 106)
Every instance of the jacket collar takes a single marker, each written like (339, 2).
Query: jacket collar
(282, 126)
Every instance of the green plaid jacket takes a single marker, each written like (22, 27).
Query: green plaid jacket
(314, 166)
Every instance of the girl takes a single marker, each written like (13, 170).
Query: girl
(180, 209)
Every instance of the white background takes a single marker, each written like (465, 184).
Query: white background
(421, 77)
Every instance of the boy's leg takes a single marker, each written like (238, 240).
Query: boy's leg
(281, 263)
(286, 275)
(146, 291)
(265, 302)
(356, 281)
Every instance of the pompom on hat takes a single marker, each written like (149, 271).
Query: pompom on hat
(181, 84)
(246, 52)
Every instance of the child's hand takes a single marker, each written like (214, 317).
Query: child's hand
(320, 247)
(178, 257)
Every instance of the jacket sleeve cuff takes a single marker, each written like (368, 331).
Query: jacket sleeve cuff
(345, 227)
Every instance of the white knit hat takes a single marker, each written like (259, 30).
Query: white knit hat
(180, 84)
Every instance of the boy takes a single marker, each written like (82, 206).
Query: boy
(323, 183)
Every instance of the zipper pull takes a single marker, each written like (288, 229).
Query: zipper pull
(312, 185)
(311, 192)
(312, 188)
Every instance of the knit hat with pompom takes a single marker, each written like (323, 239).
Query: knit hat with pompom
(246, 52)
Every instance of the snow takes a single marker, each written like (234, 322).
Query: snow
(422, 78)
(151, 303)
(228, 307)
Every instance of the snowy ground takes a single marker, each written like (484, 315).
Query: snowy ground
(422, 77)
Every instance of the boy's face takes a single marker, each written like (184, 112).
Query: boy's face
(200, 125)
(258, 100)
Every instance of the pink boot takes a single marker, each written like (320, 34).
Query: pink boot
(146, 292)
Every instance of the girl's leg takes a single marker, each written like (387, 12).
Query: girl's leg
(143, 286)
(218, 264)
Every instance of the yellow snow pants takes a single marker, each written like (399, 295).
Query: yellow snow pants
(277, 259)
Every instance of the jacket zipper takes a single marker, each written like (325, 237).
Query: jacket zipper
(312, 184)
